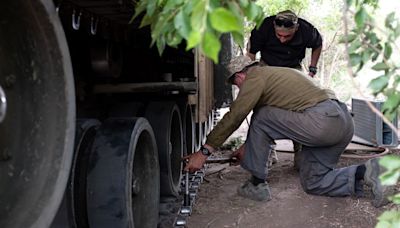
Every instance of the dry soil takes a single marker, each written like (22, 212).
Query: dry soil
(219, 206)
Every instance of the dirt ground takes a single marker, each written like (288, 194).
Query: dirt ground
(218, 204)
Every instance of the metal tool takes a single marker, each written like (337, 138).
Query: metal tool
(221, 159)
(186, 196)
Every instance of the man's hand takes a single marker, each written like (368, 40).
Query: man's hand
(195, 161)
(312, 70)
(239, 154)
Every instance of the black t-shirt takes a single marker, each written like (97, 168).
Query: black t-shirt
(290, 54)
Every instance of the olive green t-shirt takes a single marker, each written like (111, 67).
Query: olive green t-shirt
(280, 87)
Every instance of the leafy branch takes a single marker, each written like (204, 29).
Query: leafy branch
(367, 43)
(198, 23)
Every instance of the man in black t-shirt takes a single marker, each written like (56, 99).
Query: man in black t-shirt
(282, 40)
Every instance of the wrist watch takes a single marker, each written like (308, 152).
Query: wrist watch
(313, 69)
(205, 151)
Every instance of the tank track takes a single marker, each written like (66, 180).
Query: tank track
(174, 211)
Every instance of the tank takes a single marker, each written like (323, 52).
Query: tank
(93, 121)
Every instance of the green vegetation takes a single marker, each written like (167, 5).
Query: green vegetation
(372, 46)
(233, 144)
(198, 23)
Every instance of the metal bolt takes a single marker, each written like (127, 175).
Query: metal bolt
(3, 104)
(199, 179)
(195, 185)
(5, 155)
(186, 210)
(135, 187)
(10, 80)
(180, 221)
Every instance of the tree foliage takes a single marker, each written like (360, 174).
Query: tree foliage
(370, 44)
(198, 23)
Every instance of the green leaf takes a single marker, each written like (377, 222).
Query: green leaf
(252, 11)
(388, 215)
(172, 4)
(354, 46)
(382, 224)
(159, 27)
(147, 20)
(214, 4)
(389, 20)
(390, 162)
(259, 20)
(223, 20)
(194, 39)
(395, 199)
(391, 104)
(151, 7)
(355, 59)
(396, 79)
(350, 38)
(173, 37)
(238, 38)
(389, 219)
(139, 8)
(188, 7)
(366, 55)
(235, 9)
(160, 45)
(373, 38)
(374, 56)
(397, 31)
(387, 50)
(389, 177)
(182, 24)
(378, 84)
(361, 17)
(244, 3)
(211, 46)
(198, 17)
(380, 66)
(349, 2)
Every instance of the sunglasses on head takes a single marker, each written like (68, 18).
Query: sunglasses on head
(284, 23)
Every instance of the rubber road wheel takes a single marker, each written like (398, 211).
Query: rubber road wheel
(165, 119)
(123, 179)
(73, 209)
(188, 129)
(37, 133)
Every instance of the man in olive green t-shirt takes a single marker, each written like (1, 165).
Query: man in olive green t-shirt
(287, 104)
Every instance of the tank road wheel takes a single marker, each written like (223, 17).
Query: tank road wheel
(73, 209)
(123, 180)
(38, 112)
(210, 121)
(165, 119)
(199, 136)
(204, 132)
(188, 129)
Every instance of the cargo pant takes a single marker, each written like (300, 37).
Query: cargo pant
(324, 130)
